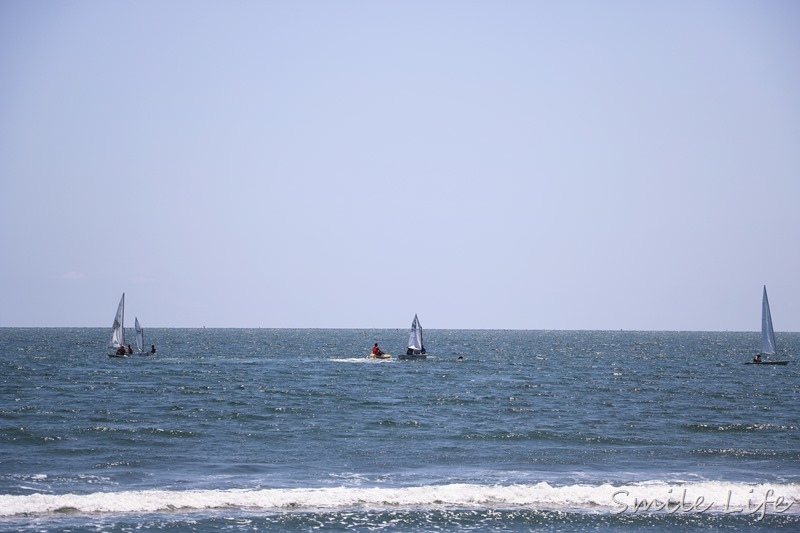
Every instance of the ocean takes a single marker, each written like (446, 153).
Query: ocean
(296, 430)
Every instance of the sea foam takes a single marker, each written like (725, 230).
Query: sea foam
(647, 497)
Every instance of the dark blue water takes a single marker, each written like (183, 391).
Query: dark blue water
(296, 430)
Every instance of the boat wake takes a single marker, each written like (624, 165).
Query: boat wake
(361, 360)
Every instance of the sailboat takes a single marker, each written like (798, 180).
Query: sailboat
(116, 345)
(767, 334)
(416, 348)
(139, 337)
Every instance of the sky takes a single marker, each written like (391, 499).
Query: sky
(312, 164)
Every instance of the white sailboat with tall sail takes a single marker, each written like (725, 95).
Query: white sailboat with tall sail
(139, 337)
(116, 345)
(767, 334)
(415, 348)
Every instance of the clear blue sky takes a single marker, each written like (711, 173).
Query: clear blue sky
(512, 164)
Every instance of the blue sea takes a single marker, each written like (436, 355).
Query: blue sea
(296, 430)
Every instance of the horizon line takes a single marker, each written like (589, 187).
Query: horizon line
(405, 328)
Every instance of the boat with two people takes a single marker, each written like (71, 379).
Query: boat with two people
(767, 335)
(415, 348)
(116, 345)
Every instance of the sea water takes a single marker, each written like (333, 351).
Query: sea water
(295, 429)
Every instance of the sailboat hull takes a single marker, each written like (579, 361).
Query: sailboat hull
(768, 363)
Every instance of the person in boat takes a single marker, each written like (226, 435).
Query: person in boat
(130, 350)
(757, 358)
(121, 350)
(152, 348)
(376, 351)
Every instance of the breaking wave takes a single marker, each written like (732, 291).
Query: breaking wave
(644, 497)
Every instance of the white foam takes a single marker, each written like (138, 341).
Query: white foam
(362, 360)
(648, 497)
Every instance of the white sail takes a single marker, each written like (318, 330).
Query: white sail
(415, 337)
(767, 333)
(139, 336)
(118, 328)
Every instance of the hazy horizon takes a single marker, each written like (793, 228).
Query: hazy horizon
(131, 328)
